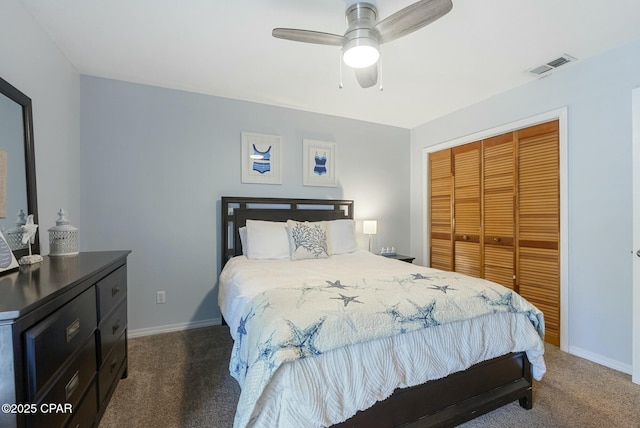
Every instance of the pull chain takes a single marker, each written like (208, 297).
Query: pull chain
(380, 72)
(340, 66)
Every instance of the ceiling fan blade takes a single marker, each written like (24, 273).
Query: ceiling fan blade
(368, 76)
(307, 36)
(412, 18)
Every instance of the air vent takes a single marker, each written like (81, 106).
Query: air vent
(550, 66)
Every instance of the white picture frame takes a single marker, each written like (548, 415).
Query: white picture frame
(8, 261)
(261, 158)
(3, 183)
(319, 163)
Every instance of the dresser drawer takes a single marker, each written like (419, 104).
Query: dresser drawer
(50, 342)
(111, 366)
(111, 329)
(68, 388)
(111, 291)
(84, 415)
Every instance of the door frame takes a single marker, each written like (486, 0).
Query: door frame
(635, 148)
(561, 116)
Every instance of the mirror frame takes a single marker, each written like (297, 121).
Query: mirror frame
(29, 157)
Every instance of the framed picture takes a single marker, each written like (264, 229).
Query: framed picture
(3, 183)
(7, 259)
(261, 158)
(319, 163)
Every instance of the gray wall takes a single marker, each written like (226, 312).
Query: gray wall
(155, 163)
(32, 63)
(597, 93)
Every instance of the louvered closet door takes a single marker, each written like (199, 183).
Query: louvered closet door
(440, 191)
(538, 256)
(498, 155)
(466, 208)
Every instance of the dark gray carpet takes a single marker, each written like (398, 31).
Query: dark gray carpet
(182, 380)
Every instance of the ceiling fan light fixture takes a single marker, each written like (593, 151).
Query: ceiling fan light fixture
(361, 52)
(361, 42)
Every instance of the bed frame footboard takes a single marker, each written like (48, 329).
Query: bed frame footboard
(455, 399)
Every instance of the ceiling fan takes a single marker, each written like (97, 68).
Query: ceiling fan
(360, 43)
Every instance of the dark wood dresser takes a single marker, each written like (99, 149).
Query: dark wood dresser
(63, 340)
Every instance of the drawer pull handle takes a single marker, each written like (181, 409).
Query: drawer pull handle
(114, 363)
(115, 290)
(115, 327)
(71, 386)
(73, 329)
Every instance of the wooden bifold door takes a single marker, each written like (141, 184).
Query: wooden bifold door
(494, 209)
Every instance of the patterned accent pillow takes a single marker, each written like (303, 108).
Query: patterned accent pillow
(307, 240)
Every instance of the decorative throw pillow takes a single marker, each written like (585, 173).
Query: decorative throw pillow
(342, 236)
(267, 240)
(243, 240)
(307, 240)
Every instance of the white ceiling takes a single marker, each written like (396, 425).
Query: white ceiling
(225, 48)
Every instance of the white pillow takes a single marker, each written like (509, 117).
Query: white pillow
(308, 240)
(342, 236)
(267, 240)
(243, 239)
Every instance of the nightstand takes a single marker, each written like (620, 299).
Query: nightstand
(407, 259)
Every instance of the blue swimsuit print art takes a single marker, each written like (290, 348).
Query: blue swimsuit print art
(262, 162)
(321, 164)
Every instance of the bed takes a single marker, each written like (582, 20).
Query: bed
(389, 375)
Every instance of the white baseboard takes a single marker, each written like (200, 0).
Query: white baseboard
(599, 359)
(139, 332)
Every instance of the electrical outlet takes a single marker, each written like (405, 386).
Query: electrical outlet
(161, 297)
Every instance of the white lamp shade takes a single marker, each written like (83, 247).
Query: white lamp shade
(369, 227)
(361, 52)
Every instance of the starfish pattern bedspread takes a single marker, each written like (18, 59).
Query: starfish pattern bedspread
(291, 323)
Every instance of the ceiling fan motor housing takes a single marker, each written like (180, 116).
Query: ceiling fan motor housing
(361, 18)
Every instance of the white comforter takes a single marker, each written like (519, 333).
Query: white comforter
(350, 370)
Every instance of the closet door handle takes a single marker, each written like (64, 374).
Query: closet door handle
(465, 237)
(496, 239)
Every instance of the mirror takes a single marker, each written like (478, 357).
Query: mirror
(17, 167)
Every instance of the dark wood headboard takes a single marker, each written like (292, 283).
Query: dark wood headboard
(237, 210)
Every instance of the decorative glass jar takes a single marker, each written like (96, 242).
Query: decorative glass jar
(14, 235)
(63, 237)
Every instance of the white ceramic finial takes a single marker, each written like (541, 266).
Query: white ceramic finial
(21, 218)
(62, 218)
